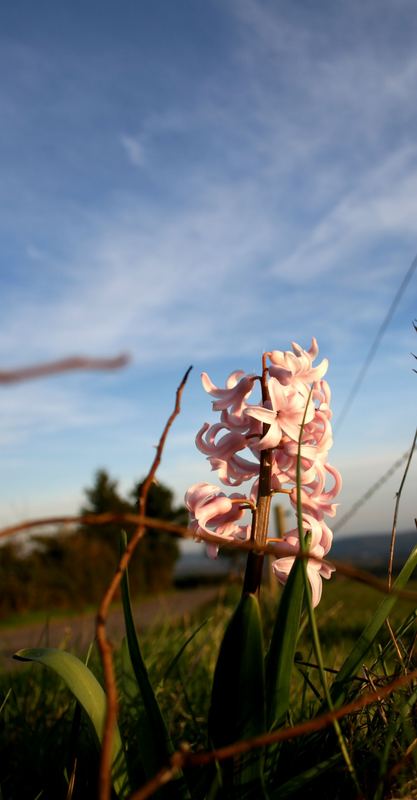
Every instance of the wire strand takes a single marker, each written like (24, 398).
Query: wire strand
(374, 346)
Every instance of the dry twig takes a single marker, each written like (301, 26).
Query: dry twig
(353, 573)
(62, 365)
(103, 643)
(96, 519)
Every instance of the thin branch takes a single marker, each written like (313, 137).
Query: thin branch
(353, 573)
(62, 365)
(104, 645)
(184, 758)
(97, 519)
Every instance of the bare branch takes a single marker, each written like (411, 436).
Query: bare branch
(62, 365)
(102, 640)
(361, 576)
(97, 519)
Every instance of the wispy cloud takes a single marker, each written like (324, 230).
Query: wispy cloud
(382, 208)
(134, 150)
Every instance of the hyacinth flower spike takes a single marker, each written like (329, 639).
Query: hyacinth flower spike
(294, 397)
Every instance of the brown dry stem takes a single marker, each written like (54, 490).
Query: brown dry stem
(260, 518)
(62, 365)
(104, 644)
(96, 519)
(353, 573)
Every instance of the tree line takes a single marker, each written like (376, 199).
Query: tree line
(72, 569)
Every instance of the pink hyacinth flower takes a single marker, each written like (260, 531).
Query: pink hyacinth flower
(287, 366)
(285, 416)
(315, 571)
(321, 541)
(238, 387)
(227, 445)
(234, 470)
(213, 512)
(315, 500)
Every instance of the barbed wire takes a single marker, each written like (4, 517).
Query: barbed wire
(374, 346)
(372, 489)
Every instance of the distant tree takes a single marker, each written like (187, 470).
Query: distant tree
(73, 569)
(15, 576)
(153, 562)
(160, 503)
(104, 496)
(162, 548)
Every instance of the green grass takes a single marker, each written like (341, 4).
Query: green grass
(40, 734)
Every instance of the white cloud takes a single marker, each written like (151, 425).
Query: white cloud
(383, 205)
(134, 150)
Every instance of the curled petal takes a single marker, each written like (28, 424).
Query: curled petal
(315, 571)
(225, 447)
(313, 350)
(310, 524)
(316, 583)
(235, 470)
(299, 364)
(265, 415)
(242, 423)
(213, 512)
(234, 395)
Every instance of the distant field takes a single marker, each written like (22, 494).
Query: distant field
(76, 631)
(345, 608)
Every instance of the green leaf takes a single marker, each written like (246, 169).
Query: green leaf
(341, 685)
(155, 742)
(87, 690)
(237, 708)
(280, 657)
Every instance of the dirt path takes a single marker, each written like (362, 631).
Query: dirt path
(77, 632)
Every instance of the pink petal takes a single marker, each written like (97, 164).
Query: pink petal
(315, 584)
(262, 414)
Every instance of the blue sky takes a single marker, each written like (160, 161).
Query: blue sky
(194, 183)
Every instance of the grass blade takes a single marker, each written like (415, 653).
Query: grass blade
(87, 690)
(155, 741)
(173, 663)
(9, 691)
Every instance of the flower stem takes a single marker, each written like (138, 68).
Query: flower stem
(260, 519)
